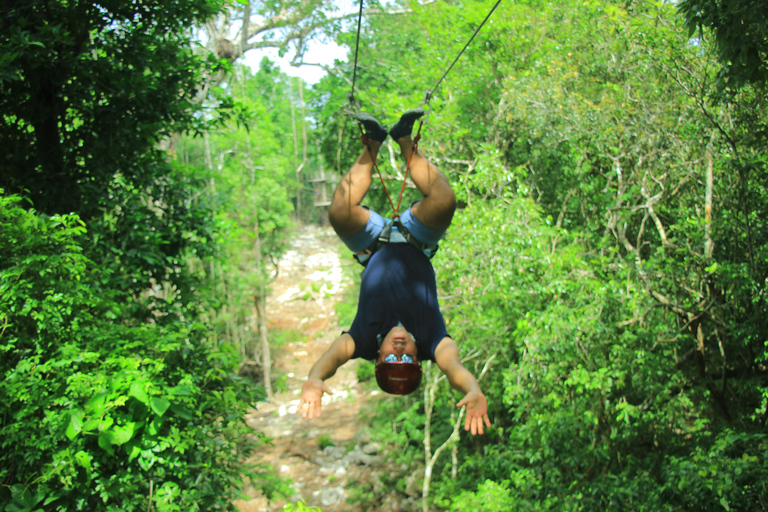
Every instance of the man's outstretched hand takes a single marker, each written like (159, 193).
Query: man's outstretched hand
(477, 412)
(312, 396)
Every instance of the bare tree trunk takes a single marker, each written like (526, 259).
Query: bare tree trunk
(429, 402)
(708, 244)
(260, 299)
(338, 149)
(454, 450)
(211, 191)
(299, 184)
(431, 458)
(266, 359)
(295, 138)
(260, 295)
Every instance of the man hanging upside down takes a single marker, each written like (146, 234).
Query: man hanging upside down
(398, 321)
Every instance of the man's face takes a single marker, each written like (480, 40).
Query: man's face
(398, 341)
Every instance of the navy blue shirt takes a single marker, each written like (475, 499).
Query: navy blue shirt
(398, 285)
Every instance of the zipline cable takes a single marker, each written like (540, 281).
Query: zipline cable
(430, 92)
(427, 99)
(357, 49)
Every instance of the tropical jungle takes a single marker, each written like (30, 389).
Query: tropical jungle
(605, 275)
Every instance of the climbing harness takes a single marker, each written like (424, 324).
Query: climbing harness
(400, 234)
(367, 142)
(393, 233)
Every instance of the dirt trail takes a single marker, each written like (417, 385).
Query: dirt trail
(303, 298)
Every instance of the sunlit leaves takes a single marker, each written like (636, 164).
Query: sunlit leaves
(576, 136)
(92, 407)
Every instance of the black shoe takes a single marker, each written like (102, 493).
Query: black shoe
(373, 128)
(405, 125)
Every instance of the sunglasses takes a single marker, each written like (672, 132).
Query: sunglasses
(392, 358)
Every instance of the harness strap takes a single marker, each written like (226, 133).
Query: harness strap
(367, 143)
(384, 238)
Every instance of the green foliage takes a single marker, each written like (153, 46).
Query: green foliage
(81, 136)
(90, 95)
(729, 472)
(93, 415)
(626, 317)
(365, 371)
(739, 31)
(324, 441)
(346, 308)
(120, 344)
(281, 338)
(300, 507)
(252, 192)
(490, 497)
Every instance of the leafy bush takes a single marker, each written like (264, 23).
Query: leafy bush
(98, 412)
(490, 497)
(300, 507)
(365, 371)
(324, 441)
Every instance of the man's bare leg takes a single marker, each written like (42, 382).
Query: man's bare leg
(346, 214)
(438, 203)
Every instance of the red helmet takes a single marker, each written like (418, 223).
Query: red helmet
(398, 378)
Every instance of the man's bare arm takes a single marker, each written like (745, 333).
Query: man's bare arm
(340, 352)
(447, 358)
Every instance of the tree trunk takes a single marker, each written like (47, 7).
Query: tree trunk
(299, 181)
(260, 301)
(708, 245)
(429, 400)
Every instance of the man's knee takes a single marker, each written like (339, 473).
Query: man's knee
(448, 199)
(436, 211)
(347, 220)
(338, 214)
(444, 202)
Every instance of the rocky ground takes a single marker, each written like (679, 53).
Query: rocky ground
(331, 458)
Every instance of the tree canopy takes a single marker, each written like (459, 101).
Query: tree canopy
(739, 31)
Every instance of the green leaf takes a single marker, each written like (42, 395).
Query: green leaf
(139, 392)
(182, 390)
(96, 404)
(123, 434)
(105, 423)
(159, 405)
(153, 428)
(132, 449)
(75, 424)
(147, 460)
(24, 500)
(84, 459)
(182, 412)
(91, 424)
(105, 441)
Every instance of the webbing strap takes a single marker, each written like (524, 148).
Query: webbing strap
(414, 149)
(367, 143)
(385, 237)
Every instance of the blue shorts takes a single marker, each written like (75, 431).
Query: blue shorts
(364, 238)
